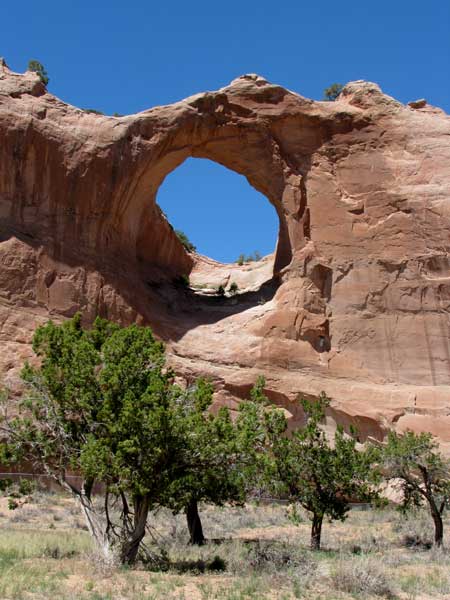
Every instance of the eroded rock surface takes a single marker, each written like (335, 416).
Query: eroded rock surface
(356, 299)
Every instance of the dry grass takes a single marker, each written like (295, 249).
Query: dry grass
(256, 553)
(362, 576)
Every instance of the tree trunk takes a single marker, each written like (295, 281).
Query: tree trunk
(194, 524)
(130, 547)
(438, 527)
(316, 531)
(97, 528)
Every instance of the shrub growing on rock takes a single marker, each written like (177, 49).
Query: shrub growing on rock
(37, 67)
(332, 92)
(234, 288)
(189, 246)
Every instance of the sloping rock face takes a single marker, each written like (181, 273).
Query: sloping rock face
(357, 300)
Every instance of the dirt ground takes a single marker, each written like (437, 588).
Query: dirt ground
(255, 552)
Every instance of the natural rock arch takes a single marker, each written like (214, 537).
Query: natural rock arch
(361, 304)
(210, 126)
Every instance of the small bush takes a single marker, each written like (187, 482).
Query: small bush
(361, 575)
(275, 556)
(54, 551)
(332, 92)
(254, 257)
(416, 530)
(93, 111)
(37, 67)
(183, 280)
(234, 288)
(221, 290)
(188, 245)
(26, 487)
(13, 504)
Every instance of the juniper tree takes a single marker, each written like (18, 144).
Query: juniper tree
(310, 471)
(215, 460)
(424, 474)
(101, 404)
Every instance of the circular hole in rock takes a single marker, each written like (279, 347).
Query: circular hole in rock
(231, 225)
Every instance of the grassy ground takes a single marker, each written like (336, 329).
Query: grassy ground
(45, 552)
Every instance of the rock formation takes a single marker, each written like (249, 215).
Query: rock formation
(356, 299)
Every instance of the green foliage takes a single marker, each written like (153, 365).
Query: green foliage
(183, 280)
(93, 111)
(26, 487)
(213, 460)
(256, 256)
(101, 404)
(189, 246)
(424, 473)
(13, 504)
(234, 288)
(18, 492)
(221, 290)
(332, 92)
(37, 67)
(95, 402)
(319, 476)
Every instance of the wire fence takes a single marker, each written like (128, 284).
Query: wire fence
(48, 482)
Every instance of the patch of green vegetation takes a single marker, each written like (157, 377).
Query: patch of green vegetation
(93, 111)
(332, 92)
(188, 245)
(37, 67)
(254, 257)
(234, 288)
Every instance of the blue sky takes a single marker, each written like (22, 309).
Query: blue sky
(128, 56)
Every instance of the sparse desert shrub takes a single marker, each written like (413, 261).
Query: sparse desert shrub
(183, 280)
(363, 546)
(254, 257)
(93, 111)
(234, 288)
(264, 556)
(332, 92)
(189, 246)
(361, 575)
(37, 67)
(414, 530)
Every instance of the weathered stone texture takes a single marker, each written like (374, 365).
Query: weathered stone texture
(359, 302)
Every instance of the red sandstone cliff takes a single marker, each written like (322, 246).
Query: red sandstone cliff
(358, 304)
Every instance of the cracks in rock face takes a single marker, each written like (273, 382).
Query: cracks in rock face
(304, 212)
(344, 270)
